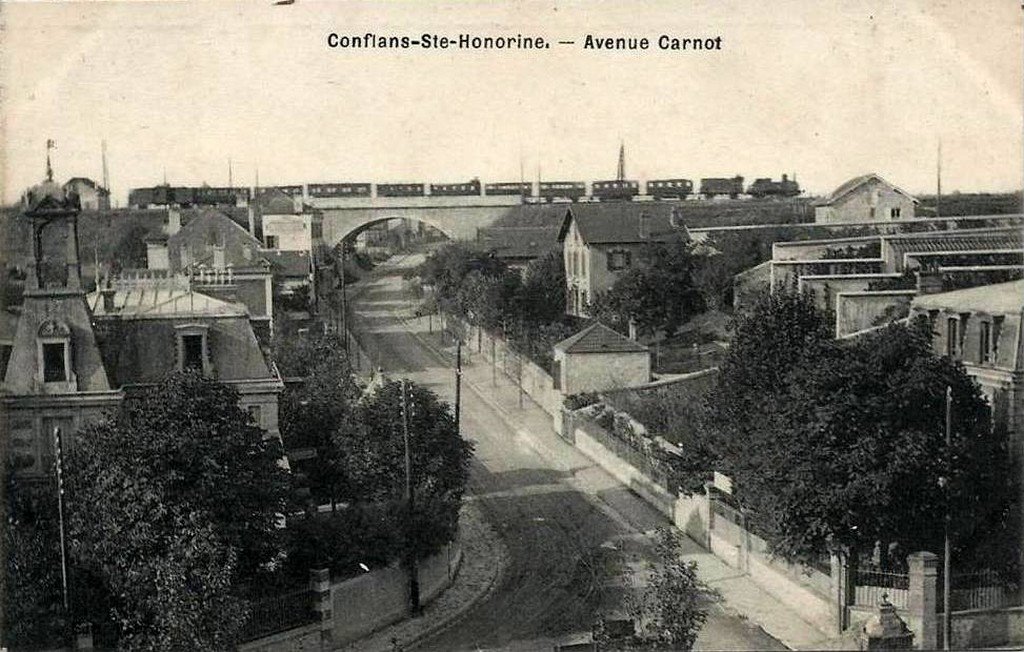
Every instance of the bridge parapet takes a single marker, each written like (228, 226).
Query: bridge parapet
(428, 202)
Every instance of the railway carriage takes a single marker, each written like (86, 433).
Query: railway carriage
(339, 190)
(669, 188)
(572, 190)
(616, 189)
(456, 189)
(399, 189)
(522, 188)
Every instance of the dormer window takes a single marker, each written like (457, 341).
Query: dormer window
(55, 362)
(193, 348)
(54, 354)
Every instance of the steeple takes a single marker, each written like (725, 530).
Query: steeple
(621, 176)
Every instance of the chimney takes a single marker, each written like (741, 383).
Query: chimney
(785, 178)
(643, 226)
(218, 257)
(173, 221)
(107, 293)
(156, 255)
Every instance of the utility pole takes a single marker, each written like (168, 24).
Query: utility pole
(938, 181)
(946, 552)
(458, 387)
(410, 550)
(344, 301)
(494, 363)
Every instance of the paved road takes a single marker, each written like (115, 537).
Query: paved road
(570, 529)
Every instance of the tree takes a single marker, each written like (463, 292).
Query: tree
(542, 294)
(171, 501)
(374, 453)
(671, 611)
(835, 445)
(767, 344)
(658, 294)
(33, 610)
(311, 409)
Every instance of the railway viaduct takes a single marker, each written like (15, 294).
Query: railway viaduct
(457, 217)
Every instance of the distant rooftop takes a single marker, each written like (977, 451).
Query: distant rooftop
(998, 298)
(598, 338)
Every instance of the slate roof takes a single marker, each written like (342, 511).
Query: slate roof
(857, 182)
(163, 299)
(1005, 298)
(619, 222)
(519, 242)
(210, 227)
(274, 201)
(598, 338)
(289, 263)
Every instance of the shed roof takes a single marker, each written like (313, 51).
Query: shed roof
(598, 338)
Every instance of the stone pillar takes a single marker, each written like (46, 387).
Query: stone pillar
(708, 515)
(83, 636)
(921, 604)
(842, 590)
(320, 585)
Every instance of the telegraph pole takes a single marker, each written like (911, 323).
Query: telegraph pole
(458, 386)
(946, 629)
(410, 550)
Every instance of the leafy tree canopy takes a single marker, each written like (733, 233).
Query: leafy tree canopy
(374, 454)
(658, 294)
(171, 501)
(838, 444)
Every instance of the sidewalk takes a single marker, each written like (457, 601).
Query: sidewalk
(534, 428)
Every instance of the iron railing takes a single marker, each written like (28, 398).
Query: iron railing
(277, 613)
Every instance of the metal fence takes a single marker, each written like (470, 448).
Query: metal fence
(985, 589)
(871, 585)
(277, 613)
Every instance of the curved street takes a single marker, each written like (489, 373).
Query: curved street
(572, 532)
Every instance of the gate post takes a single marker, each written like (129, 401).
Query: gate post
(922, 601)
(323, 605)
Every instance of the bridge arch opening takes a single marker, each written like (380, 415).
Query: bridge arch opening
(350, 233)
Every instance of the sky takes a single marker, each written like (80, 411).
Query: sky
(822, 90)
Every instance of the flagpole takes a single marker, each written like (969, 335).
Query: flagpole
(59, 468)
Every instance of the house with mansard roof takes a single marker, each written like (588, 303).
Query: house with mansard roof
(73, 355)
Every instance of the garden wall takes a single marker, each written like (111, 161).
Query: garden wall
(802, 588)
(301, 639)
(366, 603)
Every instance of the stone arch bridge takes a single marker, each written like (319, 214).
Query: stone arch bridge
(457, 217)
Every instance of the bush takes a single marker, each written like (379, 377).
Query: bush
(581, 400)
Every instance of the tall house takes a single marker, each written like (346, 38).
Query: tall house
(982, 327)
(73, 355)
(600, 242)
(867, 198)
(291, 236)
